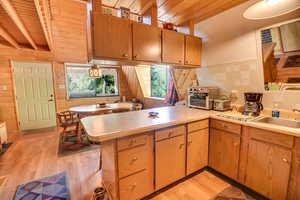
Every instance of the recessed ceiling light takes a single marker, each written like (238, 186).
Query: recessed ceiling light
(271, 8)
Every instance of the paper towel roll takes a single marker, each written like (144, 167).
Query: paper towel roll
(3, 133)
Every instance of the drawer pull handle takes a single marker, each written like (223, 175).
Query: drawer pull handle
(285, 160)
(181, 146)
(134, 159)
(132, 187)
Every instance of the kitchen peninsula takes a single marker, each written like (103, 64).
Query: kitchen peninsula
(141, 155)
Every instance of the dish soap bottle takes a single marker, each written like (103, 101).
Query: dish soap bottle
(275, 111)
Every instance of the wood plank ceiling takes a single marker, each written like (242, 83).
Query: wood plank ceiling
(25, 24)
(177, 11)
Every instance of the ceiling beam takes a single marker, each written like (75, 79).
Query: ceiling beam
(43, 22)
(6, 4)
(147, 6)
(8, 38)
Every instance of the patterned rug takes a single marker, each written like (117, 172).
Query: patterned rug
(233, 193)
(50, 188)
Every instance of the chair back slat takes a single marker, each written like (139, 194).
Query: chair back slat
(67, 117)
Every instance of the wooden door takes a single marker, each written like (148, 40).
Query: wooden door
(197, 150)
(268, 169)
(170, 161)
(34, 95)
(112, 37)
(193, 48)
(172, 47)
(146, 42)
(224, 152)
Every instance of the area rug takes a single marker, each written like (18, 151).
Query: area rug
(53, 187)
(233, 193)
(70, 146)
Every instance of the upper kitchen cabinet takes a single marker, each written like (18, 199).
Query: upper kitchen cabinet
(111, 37)
(146, 43)
(193, 48)
(172, 47)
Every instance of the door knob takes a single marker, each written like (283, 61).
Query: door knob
(51, 98)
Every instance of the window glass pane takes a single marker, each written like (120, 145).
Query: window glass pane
(159, 81)
(80, 85)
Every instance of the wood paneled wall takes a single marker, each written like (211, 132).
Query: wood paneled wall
(69, 28)
(183, 80)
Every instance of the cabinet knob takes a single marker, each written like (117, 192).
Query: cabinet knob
(132, 187)
(285, 160)
(190, 142)
(135, 56)
(187, 62)
(134, 159)
(179, 61)
(125, 55)
(181, 146)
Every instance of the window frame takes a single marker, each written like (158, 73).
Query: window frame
(66, 65)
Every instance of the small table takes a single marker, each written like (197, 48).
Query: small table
(94, 109)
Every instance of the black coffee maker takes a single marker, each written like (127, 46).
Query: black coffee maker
(253, 104)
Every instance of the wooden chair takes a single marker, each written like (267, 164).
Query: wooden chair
(69, 122)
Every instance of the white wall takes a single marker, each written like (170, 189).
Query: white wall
(231, 55)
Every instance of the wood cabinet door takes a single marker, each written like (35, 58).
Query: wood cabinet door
(111, 37)
(146, 42)
(172, 47)
(197, 150)
(268, 169)
(193, 48)
(170, 161)
(224, 152)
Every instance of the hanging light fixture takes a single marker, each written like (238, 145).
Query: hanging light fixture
(95, 71)
(266, 9)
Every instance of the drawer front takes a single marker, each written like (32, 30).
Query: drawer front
(169, 132)
(132, 141)
(132, 160)
(136, 186)
(226, 126)
(199, 125)
(271, 137)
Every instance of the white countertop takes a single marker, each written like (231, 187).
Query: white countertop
(106, 127)
(112, 126)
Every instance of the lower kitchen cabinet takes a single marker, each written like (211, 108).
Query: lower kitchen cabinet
(136, 186)
(197, 150)
(268, 169)
(224, 152)
(169, 160)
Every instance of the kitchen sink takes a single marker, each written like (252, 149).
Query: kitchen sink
(279, 121)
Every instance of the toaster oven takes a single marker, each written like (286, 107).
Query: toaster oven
(202, 97)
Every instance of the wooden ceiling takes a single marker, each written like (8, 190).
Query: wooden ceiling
(25, 24)
(177, 11)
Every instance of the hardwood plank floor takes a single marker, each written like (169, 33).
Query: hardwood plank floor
(34, 156)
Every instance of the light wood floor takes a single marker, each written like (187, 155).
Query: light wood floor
(34, 156)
